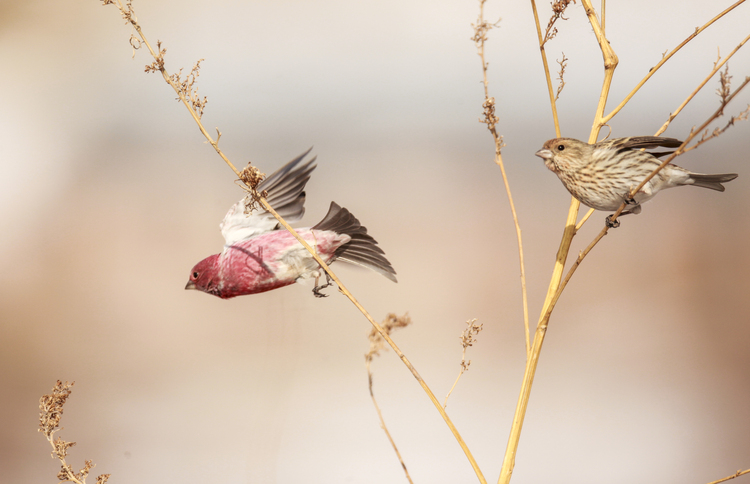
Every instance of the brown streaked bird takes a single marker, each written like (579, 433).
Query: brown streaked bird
(602, 175)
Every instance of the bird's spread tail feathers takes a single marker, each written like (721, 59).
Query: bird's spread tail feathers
(362, 250)
(714, 182)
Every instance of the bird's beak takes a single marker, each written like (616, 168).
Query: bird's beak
(544, 153)
(190, 285)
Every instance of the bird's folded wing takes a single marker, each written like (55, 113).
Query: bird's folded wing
(638, 142)
(285, 193)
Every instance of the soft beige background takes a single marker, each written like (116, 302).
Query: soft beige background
(109, 196)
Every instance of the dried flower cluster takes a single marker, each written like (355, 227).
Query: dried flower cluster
(188, 89)
(377, 343)
(558, 9)
(50, 413)
(468, 338)
(251, 176)
(158, 64)
(490, 118)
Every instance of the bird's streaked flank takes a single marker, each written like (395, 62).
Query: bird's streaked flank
(602, 175)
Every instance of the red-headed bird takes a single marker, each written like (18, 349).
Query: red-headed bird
(260, 255)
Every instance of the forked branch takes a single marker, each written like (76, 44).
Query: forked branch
(610, 63)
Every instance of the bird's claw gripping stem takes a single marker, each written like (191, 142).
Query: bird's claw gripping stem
(612, 224)
(317, 288)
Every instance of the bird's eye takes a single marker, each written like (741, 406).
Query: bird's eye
(560, 147)
(195, 275)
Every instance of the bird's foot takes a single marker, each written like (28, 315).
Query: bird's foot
(629, 200)
(317, 288)
(612, 224)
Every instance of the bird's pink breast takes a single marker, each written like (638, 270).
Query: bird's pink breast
(273, 260)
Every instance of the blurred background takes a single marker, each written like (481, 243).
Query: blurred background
(110, 195)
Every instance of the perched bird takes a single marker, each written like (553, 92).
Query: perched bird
(602, 175)
(260, 255)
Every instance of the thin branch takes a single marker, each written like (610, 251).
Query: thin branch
(693, 133)
(583, 220)
(736, 474)
(551, 92)
(385, 336)
(490, 119)
(130, 18)
(390, 323)
(665, 58)
(717, 66)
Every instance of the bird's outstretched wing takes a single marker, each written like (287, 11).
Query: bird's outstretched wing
(286, 195)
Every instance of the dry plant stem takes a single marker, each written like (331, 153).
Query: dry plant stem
(665, 59)
(717, 66)
(736, 474)
(382, 423)
(479, 38)
(385, 336)
(583, 220)
(133, 21)
(460, 373)
(610, 63)
(499, 162)
(552, 102)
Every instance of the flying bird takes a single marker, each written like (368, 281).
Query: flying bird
(602, 175)
(260, 255)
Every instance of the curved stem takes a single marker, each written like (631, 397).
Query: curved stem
(653, 70)
(382, 333)
(130, 17)
(480, 36)
(717, 66)
(552, 101)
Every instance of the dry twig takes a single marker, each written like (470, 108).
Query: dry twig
(377, 343)
(728, 478)
(468, 338)
(560, 75)
(490, 119)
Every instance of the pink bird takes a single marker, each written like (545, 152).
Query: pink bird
(259, 255)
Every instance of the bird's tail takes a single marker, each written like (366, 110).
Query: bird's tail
(714, 182)
(362, 250)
